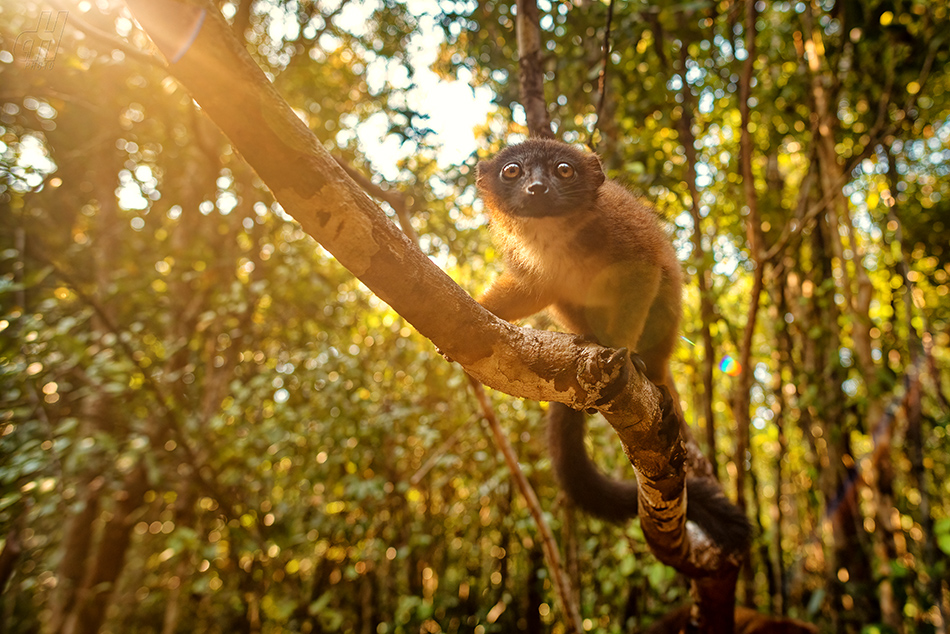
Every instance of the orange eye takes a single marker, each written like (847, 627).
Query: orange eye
(565, 170)
(511, 171)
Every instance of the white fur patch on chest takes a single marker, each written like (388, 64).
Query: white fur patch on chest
(543, 247)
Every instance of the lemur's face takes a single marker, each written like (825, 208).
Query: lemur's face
(540, 178)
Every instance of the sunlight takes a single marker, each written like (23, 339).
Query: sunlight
(31, 162)
(453, 108)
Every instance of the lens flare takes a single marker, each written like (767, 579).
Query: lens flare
(730, 366)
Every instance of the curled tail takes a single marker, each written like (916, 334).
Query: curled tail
(616, 500)
(588, 488)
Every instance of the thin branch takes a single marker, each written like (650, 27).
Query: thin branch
(755, 238)
(528, 27)
(602, 78)
(703, 281)
(552, 555)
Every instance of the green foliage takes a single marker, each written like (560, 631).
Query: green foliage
(942, 531)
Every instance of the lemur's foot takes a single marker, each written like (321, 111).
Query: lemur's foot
(638, 362)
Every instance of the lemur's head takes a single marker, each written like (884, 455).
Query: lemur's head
(539, 178)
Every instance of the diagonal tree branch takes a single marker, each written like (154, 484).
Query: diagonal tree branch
(221, 76)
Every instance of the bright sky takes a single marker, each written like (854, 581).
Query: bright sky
(453, 107)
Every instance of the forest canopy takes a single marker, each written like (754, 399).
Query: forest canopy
(210, 425)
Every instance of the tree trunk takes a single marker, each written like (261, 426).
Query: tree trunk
(97, 411)
(534, 592)
(849, 574)
(109, 560)
(531, 69)
(703, 274)
(781, 358)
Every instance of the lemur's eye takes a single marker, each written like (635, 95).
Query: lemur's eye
(511, 171)
(565, 170)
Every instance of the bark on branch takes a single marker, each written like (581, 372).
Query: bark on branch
(223, 79)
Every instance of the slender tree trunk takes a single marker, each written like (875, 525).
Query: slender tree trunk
(531, 69)
(184, 517)
(367, 592)
(856, 604)
(321, 579)
(77, 543)
(914, 409)
(534, 592)
(569, 541)
(742, 399)
(12, 549)
(781, 361)
(703, 274)
(104, 569)
(173, 603)
(920, 477)
(97, 413)
(882, 472)
(849, 572)
(758, 511)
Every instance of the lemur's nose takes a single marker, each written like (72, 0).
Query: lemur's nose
(537, 188)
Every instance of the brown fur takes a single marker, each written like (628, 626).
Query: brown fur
(603, 265)
(596, 257)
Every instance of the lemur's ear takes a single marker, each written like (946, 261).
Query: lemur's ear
(483, 170)
(596, 169)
